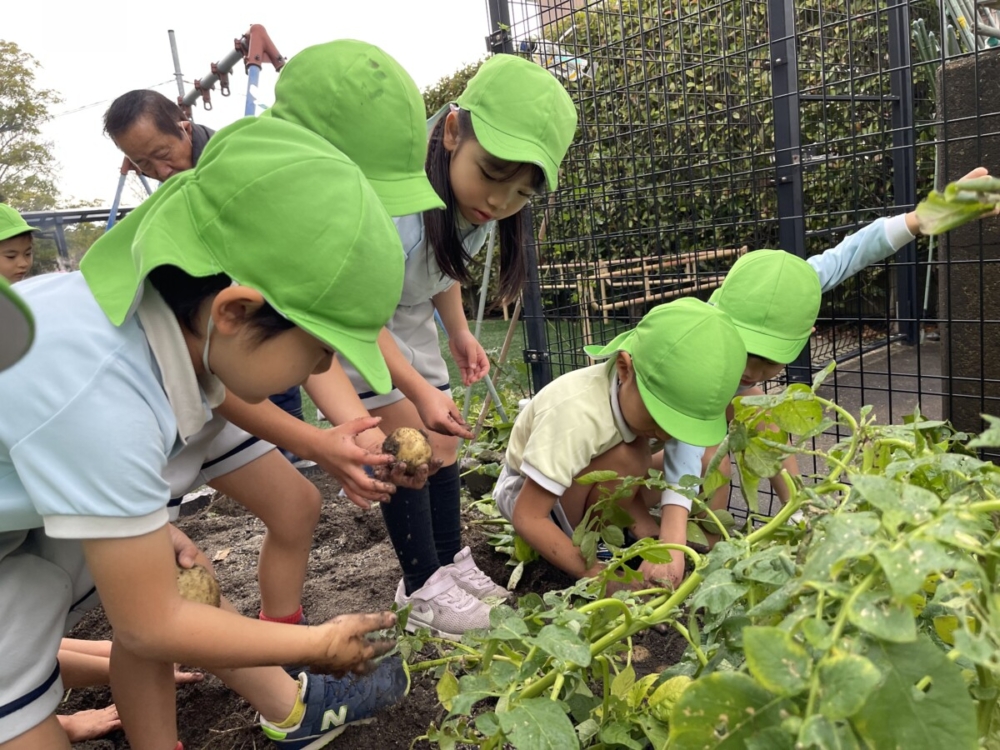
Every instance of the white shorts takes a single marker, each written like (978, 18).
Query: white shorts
(416, 334)
(45, 588)
(219, 448)
(505, 493)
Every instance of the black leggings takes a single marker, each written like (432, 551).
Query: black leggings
(425, 526)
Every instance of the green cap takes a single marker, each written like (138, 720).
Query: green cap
(688, 360)
(773, 298)
(12, 223)
(279, 210)
(17, 324)
(359, 99)
(521, 113)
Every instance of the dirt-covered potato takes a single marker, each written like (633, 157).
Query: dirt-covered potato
(409, 446)
(198, 585)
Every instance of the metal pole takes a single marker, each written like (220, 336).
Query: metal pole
(118, 199)
(225, 65)
(253, 78)
(904, 161)
(787, 147)
(177, 63)
(499, 40)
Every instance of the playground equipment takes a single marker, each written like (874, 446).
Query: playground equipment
(254, 48)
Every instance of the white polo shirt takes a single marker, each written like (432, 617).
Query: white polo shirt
(570, 422)
(93, 413)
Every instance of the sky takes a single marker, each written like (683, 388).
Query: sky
(92, 52)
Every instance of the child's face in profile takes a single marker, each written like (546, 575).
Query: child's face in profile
(759, 370)
(636, 415)
(16, 257)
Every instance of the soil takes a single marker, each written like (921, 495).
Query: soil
(352, 569)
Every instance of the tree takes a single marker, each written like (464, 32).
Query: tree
(449, 88)
(26, 162)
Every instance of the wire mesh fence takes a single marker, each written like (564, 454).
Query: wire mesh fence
(711, 128)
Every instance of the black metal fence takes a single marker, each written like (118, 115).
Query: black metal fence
(713, 127)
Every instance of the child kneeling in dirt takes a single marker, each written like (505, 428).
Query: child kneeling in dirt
(669, 378)
(246, 273)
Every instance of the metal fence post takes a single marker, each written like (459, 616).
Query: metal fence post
(904, 162)
(537, 353)
(787, 147)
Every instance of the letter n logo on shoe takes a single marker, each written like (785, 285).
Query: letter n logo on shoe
(333, 718)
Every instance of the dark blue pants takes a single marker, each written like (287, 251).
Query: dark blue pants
(290, 401)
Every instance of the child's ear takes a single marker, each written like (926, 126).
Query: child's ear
(233, 307)
(450, 138)
(623, 365)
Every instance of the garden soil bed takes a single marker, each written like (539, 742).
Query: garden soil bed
(352, 569)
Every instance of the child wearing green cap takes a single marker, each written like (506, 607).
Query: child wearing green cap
(500, 144)
(670, 378)
(773, 299)
(208, 298)
(16, 245)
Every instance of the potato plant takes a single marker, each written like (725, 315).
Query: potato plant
(872, 623)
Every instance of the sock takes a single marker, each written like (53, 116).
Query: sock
(408, 521)
(293, 619)
(299, 710)
(445, 487)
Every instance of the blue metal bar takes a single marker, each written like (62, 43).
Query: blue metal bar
(253, 78)
(116, 202)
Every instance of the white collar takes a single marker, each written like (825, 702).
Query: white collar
(191, 398)
(627, 435)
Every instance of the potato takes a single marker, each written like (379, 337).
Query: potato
(409, 446)
(198, 585)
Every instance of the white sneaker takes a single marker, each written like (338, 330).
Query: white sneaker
(472, 580)
(443, 607)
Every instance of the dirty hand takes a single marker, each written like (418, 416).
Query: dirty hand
(343, 456)
(439, 413)
(662, 574)
(470, 357)
(396, 473)
(345, 646)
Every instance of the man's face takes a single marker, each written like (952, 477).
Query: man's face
(156, 154)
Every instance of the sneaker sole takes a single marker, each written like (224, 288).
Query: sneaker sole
(330, 736)
(412, 626)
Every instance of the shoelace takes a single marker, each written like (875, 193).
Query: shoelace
(459, 598)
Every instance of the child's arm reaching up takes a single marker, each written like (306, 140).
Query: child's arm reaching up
(532, 520)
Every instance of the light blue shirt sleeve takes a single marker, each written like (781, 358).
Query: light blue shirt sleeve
(875, 242)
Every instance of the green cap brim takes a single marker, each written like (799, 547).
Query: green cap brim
(410, 195)
(6, 234)
(687, 429)
(769, 346)
(503, 146)
(618, 344)
(18, 326)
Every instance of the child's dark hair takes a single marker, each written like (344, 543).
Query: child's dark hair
(450, 253)
(184, 295)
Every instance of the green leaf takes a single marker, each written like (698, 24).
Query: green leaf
(989, 438)
(588, 547)
(845, 682)
(563, 643)
(613, 536)
(695, 534)
(596, 477)
(506, 624)
(587, 730)
(839, 538)
(959, 203)
(538, 724)
(724, 710)
(900, 503)
(447, 688)
(718, 591)
(776, 660)
(472, 689)
(822, 375)
(487, 723)
(619, 733)
(817, 633)
(798, 416)
(819, 732)
(873, 612)
(665, 697)
(942, 717)
(906, 568)
(623, 682)
(524, 552)
(773, 566)
(771, 738)
(656, 731)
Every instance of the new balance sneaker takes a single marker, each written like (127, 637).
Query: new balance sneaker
(443, 607)
(472, 580)
(333, 704)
